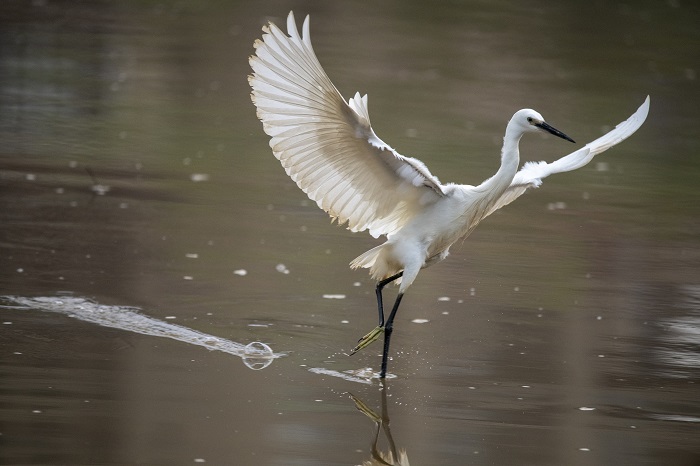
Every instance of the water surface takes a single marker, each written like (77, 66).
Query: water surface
(135, 180)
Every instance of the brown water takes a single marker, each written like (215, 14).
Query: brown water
(140, 201)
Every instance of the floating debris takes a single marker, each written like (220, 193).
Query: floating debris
(334, 296)
(199, 177)
(240, 272)
(100, 189)
(556, 206)
(420, 321)
(281, 268)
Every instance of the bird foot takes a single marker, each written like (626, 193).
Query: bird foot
(367, 339)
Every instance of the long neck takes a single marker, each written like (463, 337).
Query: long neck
(510, 159)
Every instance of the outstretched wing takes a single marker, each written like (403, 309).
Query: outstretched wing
(326, 145)
(532, 173)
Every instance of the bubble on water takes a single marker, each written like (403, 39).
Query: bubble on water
(240, 272)
(334, 296)
(420, 321)
(257, 348)
(281, 268)
(257, 355)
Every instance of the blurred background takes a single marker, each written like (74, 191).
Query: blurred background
(134, 172)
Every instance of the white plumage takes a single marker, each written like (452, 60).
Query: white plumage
(327, 146)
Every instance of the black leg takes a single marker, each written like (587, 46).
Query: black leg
(388, 329)
(380, 287)
(375, 332)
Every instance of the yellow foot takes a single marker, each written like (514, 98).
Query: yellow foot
(367, 339)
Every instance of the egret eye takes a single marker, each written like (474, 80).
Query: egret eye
(529, 119)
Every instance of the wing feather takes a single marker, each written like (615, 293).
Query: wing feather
(327, 145)
(532, 173)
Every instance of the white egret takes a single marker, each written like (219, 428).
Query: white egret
(327, 146)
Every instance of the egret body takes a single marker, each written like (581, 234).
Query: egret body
(327, 146)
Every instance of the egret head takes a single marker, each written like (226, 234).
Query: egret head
(528, 120)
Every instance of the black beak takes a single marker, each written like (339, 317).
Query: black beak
(553, 130)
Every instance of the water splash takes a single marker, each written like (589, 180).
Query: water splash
(255, 355)
(364, 376)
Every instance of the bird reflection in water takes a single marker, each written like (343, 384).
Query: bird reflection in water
(392, 457)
